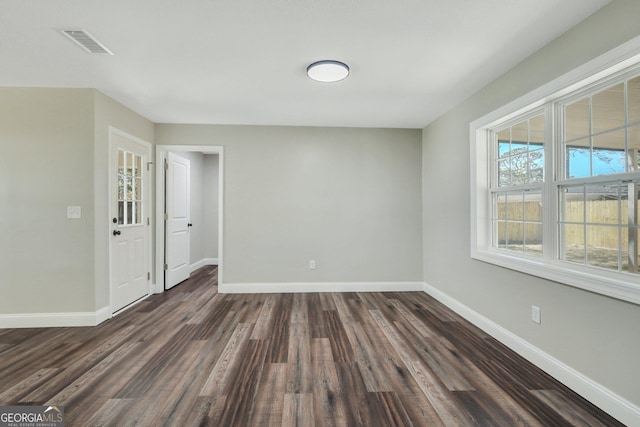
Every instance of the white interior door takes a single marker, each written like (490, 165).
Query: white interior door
(177, 187)
(129, 251)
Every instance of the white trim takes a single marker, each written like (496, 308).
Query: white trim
(202, 263)
(54, 320)
(161, 153)
(617, 285)
(103, 314)
(133, 304)
(568, 274)
(605, 399)
(302, 287)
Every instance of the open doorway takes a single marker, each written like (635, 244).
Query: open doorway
(205, 207)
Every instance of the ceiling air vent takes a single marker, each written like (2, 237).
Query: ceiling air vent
(86, 41)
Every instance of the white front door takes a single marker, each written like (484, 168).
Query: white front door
(129, 252)
(177, 187)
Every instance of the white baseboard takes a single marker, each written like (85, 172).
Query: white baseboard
(103, 314)
(54, 320)
(202, 263)
(605, 399)
(291, 287)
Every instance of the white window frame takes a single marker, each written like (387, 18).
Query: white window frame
(617, 285)
(493, 171)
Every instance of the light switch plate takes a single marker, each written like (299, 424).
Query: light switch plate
(74, 212)
(535, 314)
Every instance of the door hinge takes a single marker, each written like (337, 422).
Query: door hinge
(148, 222)
(166, 165)
(166, 216)
(148, 164)
(148, 275)
(166, 267)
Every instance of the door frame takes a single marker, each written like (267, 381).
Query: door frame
(147, 183)
(161, 155)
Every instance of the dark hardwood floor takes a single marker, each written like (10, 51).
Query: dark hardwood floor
(192, 357)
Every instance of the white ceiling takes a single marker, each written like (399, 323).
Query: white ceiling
(243, 61)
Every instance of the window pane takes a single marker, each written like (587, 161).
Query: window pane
(518, 147)
(515, 207)
(533, 238)
(609, 141)
(138, 171)
(573, 243)
(129, 216)
(504, 141)
(504, 172)
(138, 189)
(536, 166)
(572, 204)
(120, 213)
(120, 187)
(606, 162)
(533, 206)
(608, 153)
(633, 135)
(630, 217)
(501, 206)
(576, 120)
(519, 169)
(134, 214)
(602, 246)
(129, 166)
(536, 131)
(520, 150)
(502, 235)
(519, 135)
(515, 236)
(608, 108)
(578, 160)
(602, 205)
(129, 188)
(633, 100)
(624, 249)
(630, 265)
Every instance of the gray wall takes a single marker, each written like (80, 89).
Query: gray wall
(56, 141)
(347, 198)
(596, 335)
(46, 260)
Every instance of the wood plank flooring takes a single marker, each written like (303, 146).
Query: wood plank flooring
(193, 357)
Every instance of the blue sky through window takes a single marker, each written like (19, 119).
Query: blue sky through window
(605, 162)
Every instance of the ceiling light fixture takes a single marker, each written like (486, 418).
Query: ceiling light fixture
(328, 71)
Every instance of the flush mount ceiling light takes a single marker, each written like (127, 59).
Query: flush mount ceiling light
(328, 71)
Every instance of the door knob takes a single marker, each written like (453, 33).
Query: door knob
(189, 225)
(117, 232)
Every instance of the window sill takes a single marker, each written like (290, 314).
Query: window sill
(623, 287)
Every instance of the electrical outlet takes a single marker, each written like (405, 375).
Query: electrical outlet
(535, 314)
(312, 264)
